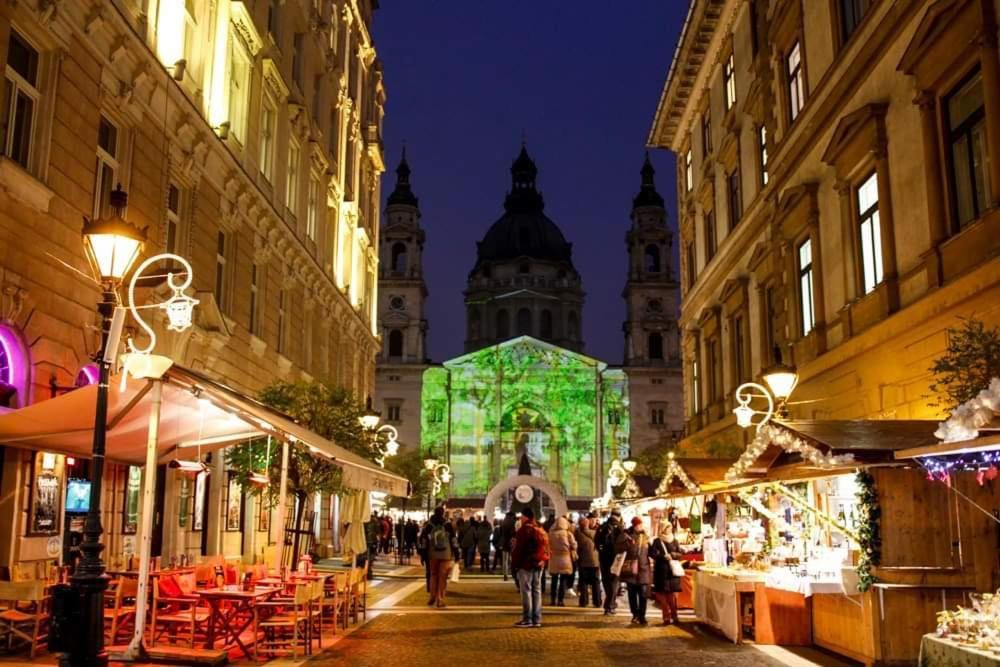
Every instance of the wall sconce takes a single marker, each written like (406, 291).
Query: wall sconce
(222, 129)
(48, 461)
(177, 69)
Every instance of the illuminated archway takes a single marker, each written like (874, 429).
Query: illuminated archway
(14, 369)
(550, 489)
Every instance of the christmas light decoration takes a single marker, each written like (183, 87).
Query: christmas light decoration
(675, 470)
(968, 418)
(768, 435)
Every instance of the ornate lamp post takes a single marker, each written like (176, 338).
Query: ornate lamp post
(781, 380)
(112, 246)
(440, 474)
(369, 422)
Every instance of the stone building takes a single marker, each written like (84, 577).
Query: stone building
(839, 180)
(248, 137)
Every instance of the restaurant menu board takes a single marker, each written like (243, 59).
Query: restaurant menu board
(46, 496)
(198, 515)
(130, 511)
(234, 505)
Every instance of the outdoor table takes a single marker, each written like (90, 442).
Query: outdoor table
(942, 652)
(227, 620)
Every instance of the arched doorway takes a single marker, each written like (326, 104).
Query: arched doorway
(537, 484)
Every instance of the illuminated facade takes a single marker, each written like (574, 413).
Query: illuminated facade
(248, 136)
(838, 173)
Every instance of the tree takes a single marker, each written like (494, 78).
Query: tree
(332, 413)
(411, 466)
(970, 361)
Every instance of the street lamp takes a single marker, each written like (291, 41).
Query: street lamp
(369, 422)
(112, 246)
(781, 378)
(440, 474)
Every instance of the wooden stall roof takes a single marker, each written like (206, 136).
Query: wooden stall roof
(988, 441)
(859, 436)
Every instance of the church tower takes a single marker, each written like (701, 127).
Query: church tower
(652, 302)
(402, 290)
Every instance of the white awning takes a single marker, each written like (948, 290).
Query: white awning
(197, 414)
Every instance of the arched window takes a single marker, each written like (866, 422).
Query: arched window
(398, 262)
(573, 325)
(395, 343)
(655, 343)
(503, 325)
(652, 259)
(13, 369)
(473, 325)
(523, 322)
(546, 325)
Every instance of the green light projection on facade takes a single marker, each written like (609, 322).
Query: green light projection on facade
(481, 411)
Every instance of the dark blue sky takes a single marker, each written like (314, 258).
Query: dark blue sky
(579, 78)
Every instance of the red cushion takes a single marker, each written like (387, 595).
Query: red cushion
(231, 575)
(169, 587)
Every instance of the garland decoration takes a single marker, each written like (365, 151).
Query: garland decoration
(768, 435)
(675, 470)
(969, 417)
(869, 530)
(785, 492)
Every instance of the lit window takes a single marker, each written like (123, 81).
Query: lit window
(21, 99)
(292, 182)
(806, 303)
(254, 299)
(796, 83)
(239, 90)
(268, 129)
(312, 210)
(282, 312)
(220, 271)
(968, 150)
(190, 30)
(688, 172)
(762, 145)
(107, 166)
(729, 82)
(870, 233)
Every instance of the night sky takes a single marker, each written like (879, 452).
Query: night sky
(580, 80)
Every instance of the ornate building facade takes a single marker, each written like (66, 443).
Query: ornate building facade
(248, 136)
(839, 182)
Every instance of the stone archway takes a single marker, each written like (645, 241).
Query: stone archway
(545, 486)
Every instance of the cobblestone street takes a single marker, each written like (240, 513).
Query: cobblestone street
(477, 626)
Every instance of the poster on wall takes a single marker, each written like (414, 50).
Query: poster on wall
(263, 517)
(46, 495)
(234, 505)
(130, 509)
(185, 497)
(198, 515)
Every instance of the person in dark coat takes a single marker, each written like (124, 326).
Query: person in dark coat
(666, 585)
(606, 540)
(484, 533)
(442, 548)
(468, 542)
(636, 571)
(587, 562)
(507, 530)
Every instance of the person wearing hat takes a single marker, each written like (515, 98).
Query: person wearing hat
(587, 561)
(636, 571)
(606, 540)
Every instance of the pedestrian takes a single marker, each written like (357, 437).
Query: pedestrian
(373, 529)
(442, 547)
(507, 530)
(529, 556)
(484, 534)
(562, 544)
(496, 540)
(666, 552)
(468, 542)
(636, 571)
(606, 540)
(587, 562)
(423, 548)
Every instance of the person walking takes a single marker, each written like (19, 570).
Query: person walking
(484, 533)
(587, 563)
(507, 530)
(636, 571)
(562, 544)
(665, 551)
(529, 556)
(606, 540)
(468, 542)
(442, 547)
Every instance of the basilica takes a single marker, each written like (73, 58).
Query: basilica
(524, 401)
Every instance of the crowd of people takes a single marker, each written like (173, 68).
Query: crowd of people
(591, 560)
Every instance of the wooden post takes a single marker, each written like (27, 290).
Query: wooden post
(279, 524)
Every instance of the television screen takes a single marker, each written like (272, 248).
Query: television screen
(78, 495)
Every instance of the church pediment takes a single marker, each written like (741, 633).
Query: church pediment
(395, 319)
(525, 349)
(526, 292)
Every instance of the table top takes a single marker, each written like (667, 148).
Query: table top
(236, 592)
(152, 573)
(932, 647)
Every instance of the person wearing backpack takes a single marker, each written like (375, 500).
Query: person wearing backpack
(442, 546)
(531, 553)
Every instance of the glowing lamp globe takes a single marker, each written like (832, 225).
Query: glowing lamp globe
(445, 476)
(744, 415)
(781, 380)
(391, 448)
(180, 308)
(369, 419)
(430, 463)
(112, 244)
(629, 465)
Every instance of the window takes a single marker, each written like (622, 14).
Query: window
(870, 233)
(395, 343)
(332, 34)
(655, 347)
(762, 148)
(317, 97)
(21, 98)
(969, 156)
(107, 166)
(435, 412)
(657, 416)
(734, 197)
(190, 30)
(695, 387)
(739, 350)
(851, 13)
(688, 172)
(806, 303)
(292, 177)
(523, 322)
(652, 259)
(254, 299)
(282, 319)
(312, 207)
(220, 271)
(398, 262)
(710, 244)
(268, 129)
(656, 380)
(297, 59)
(546, 325)
(706, 132)
(715, 369)
(392, 412)
(729, 82)
(692, 268)
(503, 324)
(614, 417)
(239, 89)
(173, 219)
(770, 312)
(274, 20)
(796, 82)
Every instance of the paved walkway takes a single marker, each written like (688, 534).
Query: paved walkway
(477, 626)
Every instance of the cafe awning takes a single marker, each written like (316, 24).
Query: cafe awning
(197, 414)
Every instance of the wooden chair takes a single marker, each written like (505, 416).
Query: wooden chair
(27, 615)
(121, 611)
(334, 594)
(358, 592)
(181, 616)
(204, 575)
(288, 629)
